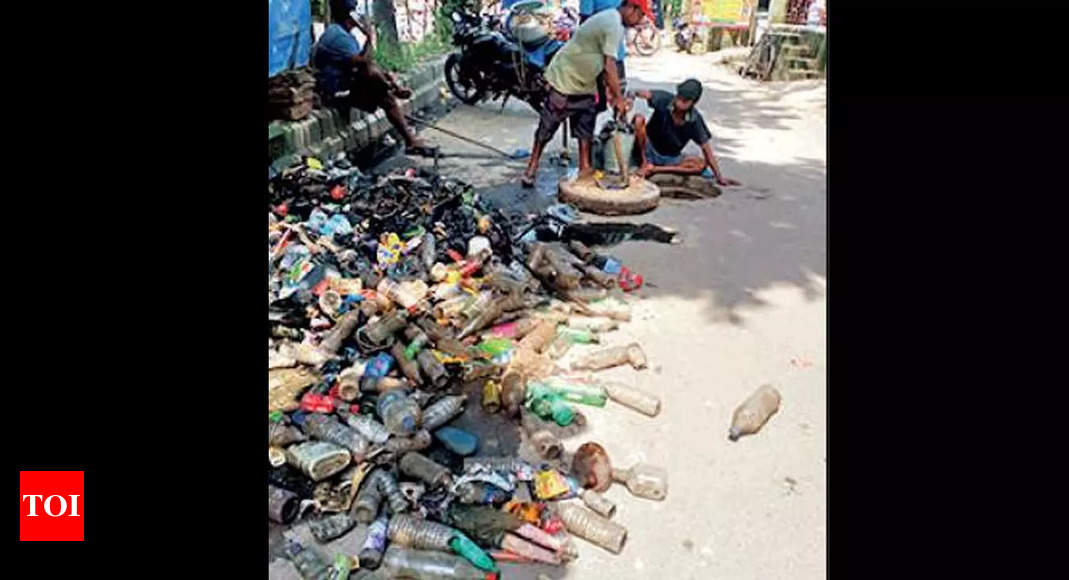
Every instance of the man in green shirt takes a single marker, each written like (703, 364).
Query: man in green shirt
(572, 78)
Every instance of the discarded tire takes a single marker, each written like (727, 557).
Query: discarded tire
(639, 197)
(685, 186)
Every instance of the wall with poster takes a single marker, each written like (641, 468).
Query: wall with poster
(414, 18)
(728, 11)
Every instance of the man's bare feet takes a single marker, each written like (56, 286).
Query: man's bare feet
(587, 173)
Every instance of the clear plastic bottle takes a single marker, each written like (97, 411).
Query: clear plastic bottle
(592, 324)
(371, 429)
(611, 357)
(639, 400)
(442, 411)
(403, 562)
(422, 534)
(326, 428)
(374, 544)
(752, 414)
(592, 527)
(400, 414)
(380, 332)
(326, 528)
(309, 562)
(342, 330)
(389, 489)
(420, 467)
(643, 480)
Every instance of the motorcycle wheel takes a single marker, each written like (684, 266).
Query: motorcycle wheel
(468, 92)
(647, 40)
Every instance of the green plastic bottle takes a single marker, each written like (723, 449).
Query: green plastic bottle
(466, 548)
(578, 335)
(495, 346)
(576, 390)
(549, 405)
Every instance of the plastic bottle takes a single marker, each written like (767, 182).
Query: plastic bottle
(574, 389)
(282, 504)
(611, 307)
(310, 563)
(400, 414)
(597, 502)
(643, 480)
(558, 348)
(592, 324)
(491, 397)
(585, 294)
(591, 467)
(398, 444)
(546, 444)
(342, 568)
(380, 333)
(391, 492)
(592, 527)
(418, 339)
(329, 527)
(367, 426)
(752, 414)
(374, 544)
(349, 382)
(513, 391)
(419, 533)
(368, 499)
(318, 459)
(432, 368)
(577, 336)
(420, 467)
(470, 551)
(456, 440)
(611, 357)
(403, 562)
(549, 406)
(326, 428)
(637, 399)
(539, 338)
(409, 367)
(443, 411)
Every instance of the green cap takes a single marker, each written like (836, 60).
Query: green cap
(690, 89)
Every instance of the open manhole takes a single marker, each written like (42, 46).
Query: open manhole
(685, 186)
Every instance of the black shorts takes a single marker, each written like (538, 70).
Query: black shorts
(581, 109)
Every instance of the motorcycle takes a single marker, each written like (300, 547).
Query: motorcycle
(491, 65)
(685, 34)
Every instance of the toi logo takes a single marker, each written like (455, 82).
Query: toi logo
(51, 506)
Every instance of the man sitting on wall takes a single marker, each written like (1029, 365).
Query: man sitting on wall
(675, 122)
(346, 75)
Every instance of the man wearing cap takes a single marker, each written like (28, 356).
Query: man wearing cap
(346, 75)
(572, 78)
(675, 122)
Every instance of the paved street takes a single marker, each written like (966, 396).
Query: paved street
(741, 302)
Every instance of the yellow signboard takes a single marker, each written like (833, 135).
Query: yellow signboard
(728, 11)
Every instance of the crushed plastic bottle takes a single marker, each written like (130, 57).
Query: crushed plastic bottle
(592, 527)
(399, 445)
(412, 532)
(754, 412)
(318, 459)
(645, 481)
(539, 338)
(400, 414)
(432, 368)
(368, 499)
(327, 528)
(409, 367)
(310, 563)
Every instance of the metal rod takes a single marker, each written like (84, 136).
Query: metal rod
(459, 136)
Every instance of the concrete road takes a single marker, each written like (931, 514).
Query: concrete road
(741, 302)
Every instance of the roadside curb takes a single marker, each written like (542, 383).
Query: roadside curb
(324, 134)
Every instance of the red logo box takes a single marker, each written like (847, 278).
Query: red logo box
(52, 506)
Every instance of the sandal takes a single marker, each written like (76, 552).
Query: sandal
(527, 182)
(421, 151)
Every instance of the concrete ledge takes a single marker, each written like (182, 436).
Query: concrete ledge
(325, 133)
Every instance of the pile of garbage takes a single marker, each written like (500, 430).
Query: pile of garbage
(394, 300)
